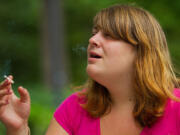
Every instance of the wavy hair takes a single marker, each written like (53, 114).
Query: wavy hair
(154, 78)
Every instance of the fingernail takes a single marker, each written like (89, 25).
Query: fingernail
(6, 81)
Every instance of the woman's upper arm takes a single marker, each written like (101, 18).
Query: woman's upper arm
(55, 129)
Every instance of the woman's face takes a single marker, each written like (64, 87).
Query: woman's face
(109, 59)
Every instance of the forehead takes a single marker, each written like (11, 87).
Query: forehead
(107, 21)
(106, 29)
(96, 29)
(117, 22)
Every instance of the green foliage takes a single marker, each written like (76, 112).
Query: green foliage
(19, 38)
(42, 107)
(40, 118)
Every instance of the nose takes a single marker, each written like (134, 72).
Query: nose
(95, 40)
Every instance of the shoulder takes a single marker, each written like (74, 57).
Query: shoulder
(69, 106)
(177, 103)
(170, 120)
(173, 106)
(173, 111)
(177, 92)
(68, 114)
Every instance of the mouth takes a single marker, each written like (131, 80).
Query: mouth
(94, 55)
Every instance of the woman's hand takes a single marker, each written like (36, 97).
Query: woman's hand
(14, 111)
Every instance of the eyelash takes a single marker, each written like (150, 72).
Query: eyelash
(94, 32)
(106, 35)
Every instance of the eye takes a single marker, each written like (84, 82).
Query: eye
(94, 32)
(106, 35)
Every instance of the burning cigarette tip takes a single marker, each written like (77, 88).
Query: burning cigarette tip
(5, 76)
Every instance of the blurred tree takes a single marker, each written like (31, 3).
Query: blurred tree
(53, 48)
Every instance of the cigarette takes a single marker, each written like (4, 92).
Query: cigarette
(5, 76)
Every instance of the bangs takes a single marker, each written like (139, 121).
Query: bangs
(115, 22)
(105, 21)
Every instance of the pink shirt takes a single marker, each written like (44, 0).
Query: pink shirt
(76, 121)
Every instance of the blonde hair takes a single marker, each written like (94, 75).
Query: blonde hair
(154, 75)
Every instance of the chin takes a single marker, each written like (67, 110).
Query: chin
(91, 72)
(96, 75)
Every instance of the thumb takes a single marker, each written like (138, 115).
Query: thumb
(24, 94)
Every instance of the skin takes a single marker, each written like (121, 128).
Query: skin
(114, 70)
(14, 111)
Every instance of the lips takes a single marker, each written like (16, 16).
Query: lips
(94, 55)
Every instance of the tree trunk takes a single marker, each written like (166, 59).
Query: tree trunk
(53, 48)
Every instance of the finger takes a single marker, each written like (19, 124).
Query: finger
(7, 88)
(10, 78)
(24, 94)
(5, 92)
(6, 82)
(4, 101)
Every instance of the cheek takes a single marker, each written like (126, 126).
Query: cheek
(115, 56)
(123, 53)
(121, 61)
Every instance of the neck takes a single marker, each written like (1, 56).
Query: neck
(121, 91)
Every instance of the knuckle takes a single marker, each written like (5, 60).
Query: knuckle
(3, 92)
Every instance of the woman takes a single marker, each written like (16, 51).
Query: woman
(132, 88)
